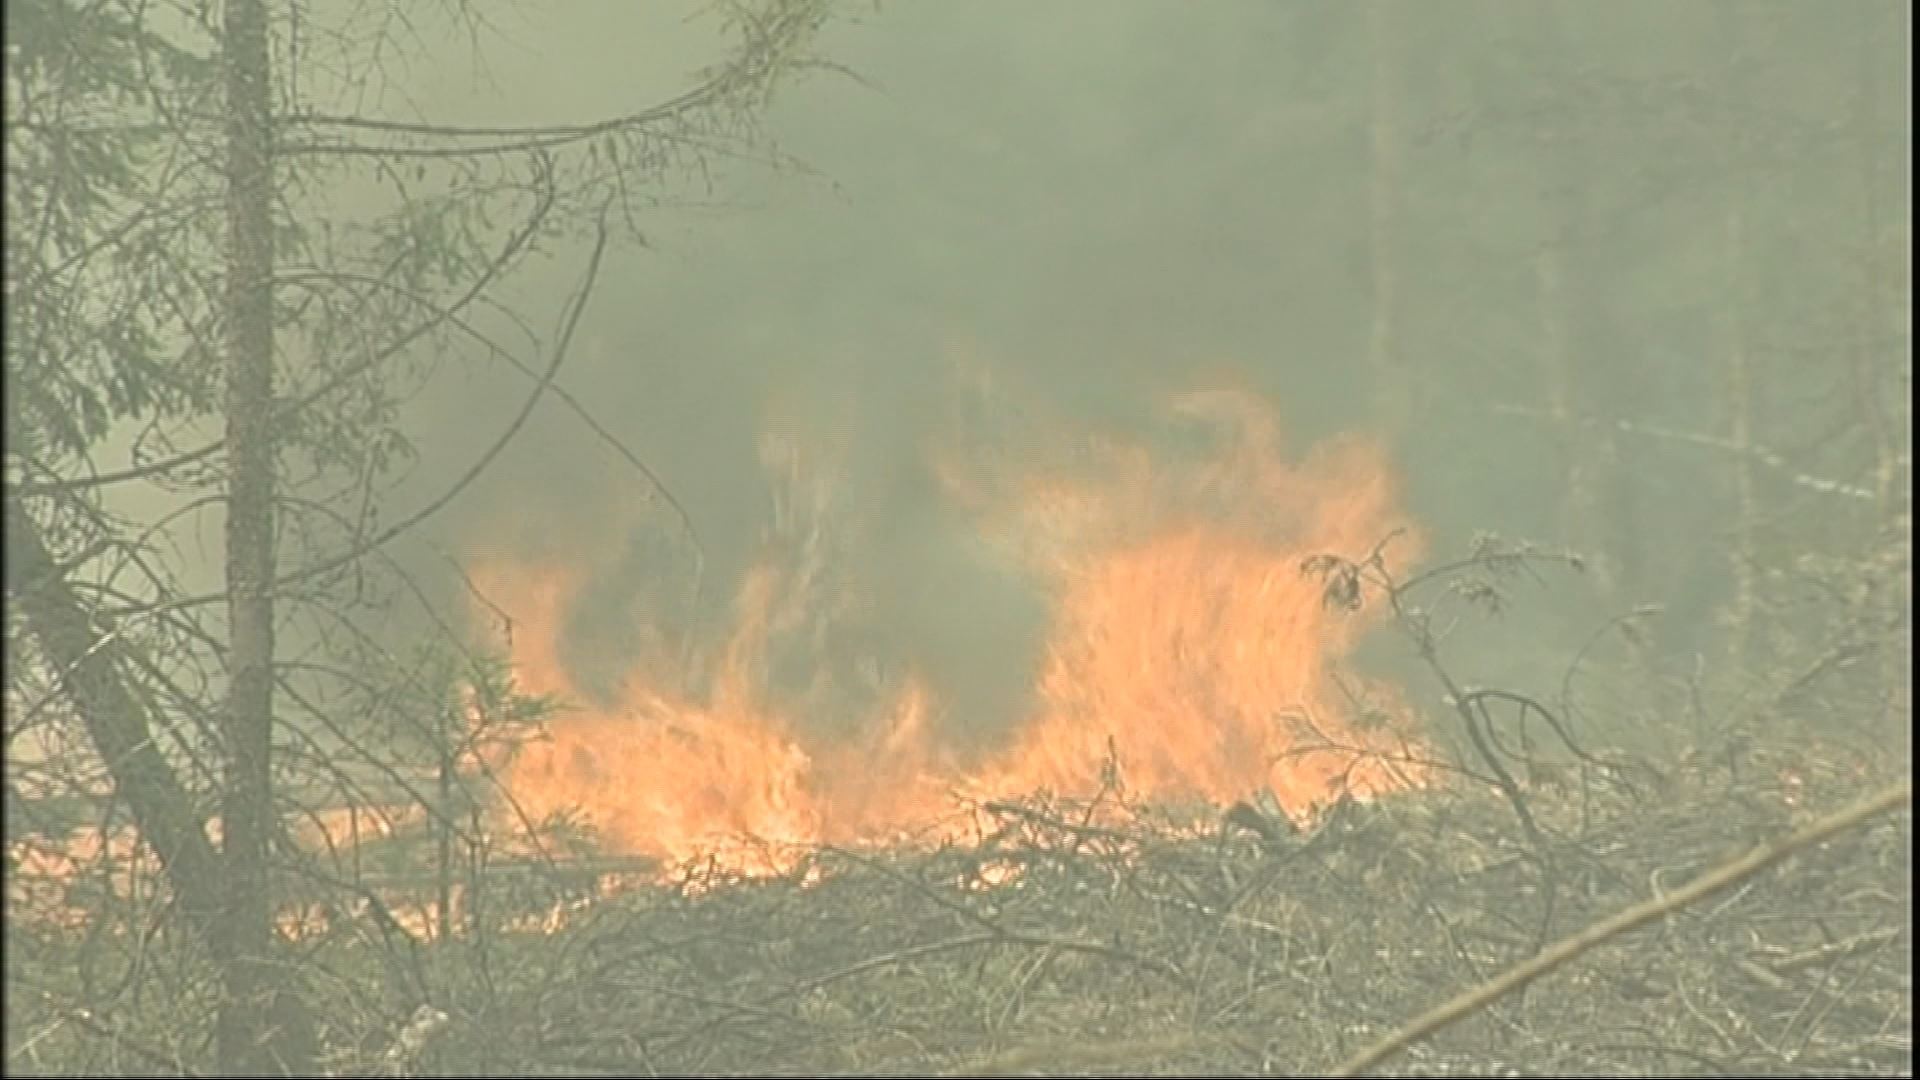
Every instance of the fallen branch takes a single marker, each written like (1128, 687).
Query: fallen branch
(1566, 949)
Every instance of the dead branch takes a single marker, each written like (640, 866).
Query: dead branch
(1568, 948)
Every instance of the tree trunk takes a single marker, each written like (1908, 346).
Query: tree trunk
(1582, 456)
(1391, 392)
(1566, 279)
(1878, 403)
(1745, 556)
(249, 1029)
(117, 724)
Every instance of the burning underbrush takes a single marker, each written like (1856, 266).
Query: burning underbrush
(1206, 842)
(1112, 934)
(1165, 942)
(1179, 643)
(1180, 639)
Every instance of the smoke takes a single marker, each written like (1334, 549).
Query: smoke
(1095, 204)
(1062, 208)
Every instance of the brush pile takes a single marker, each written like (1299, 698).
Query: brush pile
(1110, 938)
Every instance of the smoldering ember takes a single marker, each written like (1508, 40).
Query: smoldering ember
(958, 540)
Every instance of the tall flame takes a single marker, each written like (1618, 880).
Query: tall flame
(1187, 656)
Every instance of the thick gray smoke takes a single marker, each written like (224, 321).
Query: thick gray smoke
(1106, 200)
(1058, 211)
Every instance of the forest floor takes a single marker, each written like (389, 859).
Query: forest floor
(1083, 939)
(1078, 939)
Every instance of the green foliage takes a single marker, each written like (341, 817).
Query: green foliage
(96, 256)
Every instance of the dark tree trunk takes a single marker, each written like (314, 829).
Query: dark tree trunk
(1391, 391)
(251, 1034)
(117, 723)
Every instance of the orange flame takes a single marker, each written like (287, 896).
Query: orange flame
(1188, 656)
(725, 781)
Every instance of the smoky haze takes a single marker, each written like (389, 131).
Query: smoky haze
(1100, 203)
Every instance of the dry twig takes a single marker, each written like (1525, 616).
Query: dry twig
(1731, 873)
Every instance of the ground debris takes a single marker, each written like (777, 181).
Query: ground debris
(1080, 941)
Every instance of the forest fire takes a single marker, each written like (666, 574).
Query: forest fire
(1186, 657)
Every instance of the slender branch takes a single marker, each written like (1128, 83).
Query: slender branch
(1770, 458)
(1728, 874)
(285, 412)
(683, 103)
(554, 387)
(575, 308)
